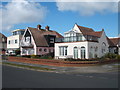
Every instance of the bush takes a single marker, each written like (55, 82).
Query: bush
(70, 59)
(34, 56)
(118, 57)
(110, 56)
(17, 52)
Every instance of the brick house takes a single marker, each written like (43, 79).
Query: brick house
(38, 41)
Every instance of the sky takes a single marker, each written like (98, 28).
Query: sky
(60, 16)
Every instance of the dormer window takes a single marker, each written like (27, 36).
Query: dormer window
(52, 40)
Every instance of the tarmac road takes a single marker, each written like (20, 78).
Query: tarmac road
(13, 77)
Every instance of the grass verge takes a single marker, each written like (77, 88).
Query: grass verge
(30, 67)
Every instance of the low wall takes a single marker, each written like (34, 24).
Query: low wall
(52, 62)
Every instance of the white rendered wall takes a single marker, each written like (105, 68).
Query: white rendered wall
(32, 42)
(93, 45)
(70, 49)
(101, 40)
(12, 39)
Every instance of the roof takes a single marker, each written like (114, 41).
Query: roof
(89, 31)
(18, 30)
(115, 41)
(110, 42)
(3, 36)
(39, 38)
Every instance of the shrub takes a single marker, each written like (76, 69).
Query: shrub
(118, 57)
(110, 56)
(70, 59)
(34, 56)
(17, 51)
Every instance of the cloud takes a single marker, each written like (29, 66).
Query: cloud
(88, 8)
(17, 12)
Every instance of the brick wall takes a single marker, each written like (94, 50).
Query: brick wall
(56, 62)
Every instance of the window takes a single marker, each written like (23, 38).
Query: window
(16, 41)
(22, 32)
(73, 37)
(9, 42)
(91, 52)
(83, 52)
(45, 50)
(63, 50)
(75, 52)
(3, 40)
(24, 51)
(27, 39)
(40, 49)
(103, 47)
(51, 40)
(96, 49)
(15, 33)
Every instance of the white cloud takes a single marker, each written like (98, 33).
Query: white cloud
(88, 7)
(17, 12)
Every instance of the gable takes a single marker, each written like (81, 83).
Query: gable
(76, 29)
(27, 33)
(39, 36)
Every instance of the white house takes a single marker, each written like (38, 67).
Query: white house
(38, 41)
(13, 42)
(83, 43)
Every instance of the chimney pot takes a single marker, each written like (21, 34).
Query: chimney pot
(102, 29)
(47, 28)
(39, 26)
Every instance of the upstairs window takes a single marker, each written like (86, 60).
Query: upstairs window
(15, 41)
(9, 42)
(51, 40)
(103, 47)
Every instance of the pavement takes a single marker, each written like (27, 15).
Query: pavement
(107, 68)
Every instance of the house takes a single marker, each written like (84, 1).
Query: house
(83, 43)
(13, 41)
(38, 41)
(3, 44)
(114, 45)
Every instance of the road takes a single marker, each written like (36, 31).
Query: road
(21, 78)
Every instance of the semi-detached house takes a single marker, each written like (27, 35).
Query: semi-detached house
(38, 41)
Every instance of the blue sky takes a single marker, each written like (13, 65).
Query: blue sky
(64, 20)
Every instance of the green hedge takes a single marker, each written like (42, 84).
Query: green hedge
(111, 56)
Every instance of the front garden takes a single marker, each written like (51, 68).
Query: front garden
(48, 60)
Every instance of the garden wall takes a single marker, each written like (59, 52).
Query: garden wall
(53, 62)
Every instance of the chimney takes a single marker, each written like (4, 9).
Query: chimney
(102, 29)
(39, 26)
(47, 28)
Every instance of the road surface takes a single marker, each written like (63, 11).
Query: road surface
(21, 78)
